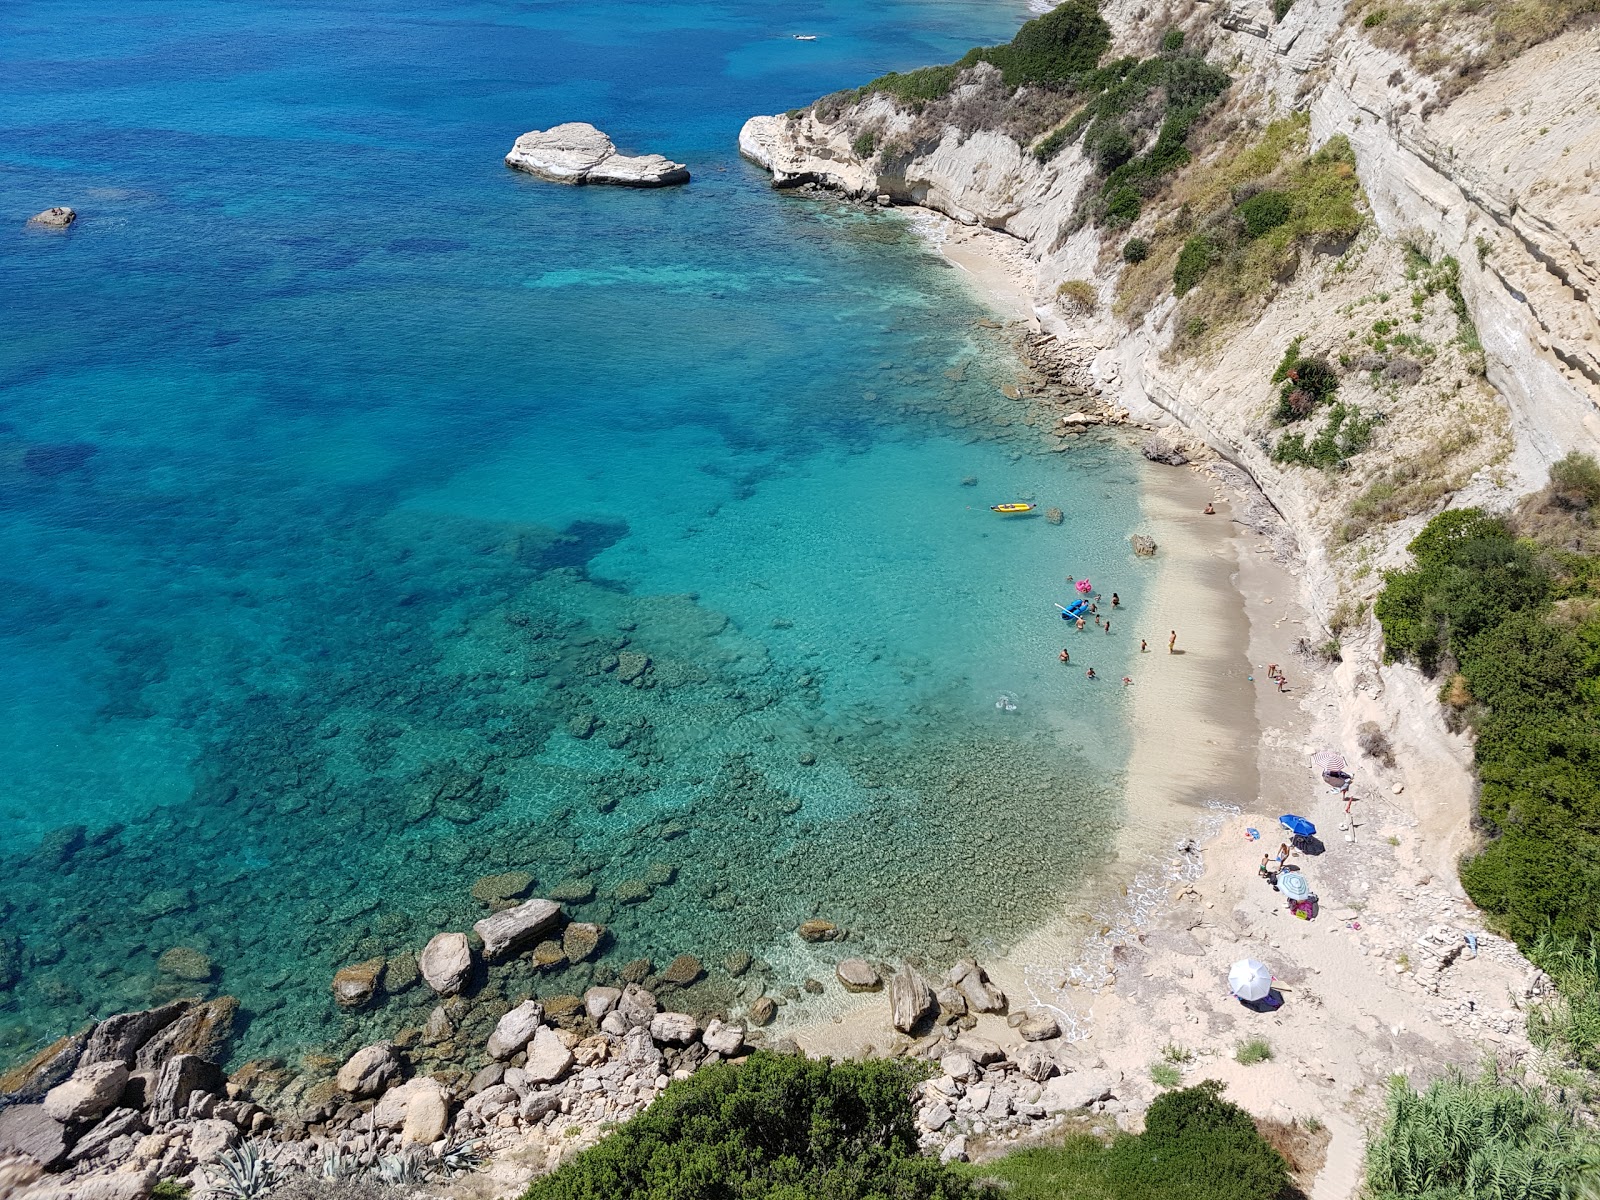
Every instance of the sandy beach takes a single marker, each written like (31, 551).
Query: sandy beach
(1382, 980)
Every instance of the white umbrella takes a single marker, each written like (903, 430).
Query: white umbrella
(1327, 760)
(1249, 979)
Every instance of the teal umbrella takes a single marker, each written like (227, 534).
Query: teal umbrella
(1293, 885)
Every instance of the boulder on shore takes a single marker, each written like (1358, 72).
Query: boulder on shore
(1158, 448)
(910, 1000)
(516, 1029)
(577, 152)
(89, 1095)
(369, 1070)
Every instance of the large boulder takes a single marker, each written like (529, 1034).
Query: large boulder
(637, 1006)
(511, 929)
(390, 1110)
(427, 1116)
(204, 1030)
(910, 1000)
(968, 978)
(722, 1038)
(674, 1028)
(58, 217)
(1039, 1026)
(89, 1095)
(446, 962)
(119, 1038)
(1161, 449)
(29, 1081)
(181, 1077)
(1080, 1089)
(579, 153)
(209, 1138)
(28, 1130)
(598, 1001)
(515, 1030)
(358, 983)
(369, 1070)
(549, 1060)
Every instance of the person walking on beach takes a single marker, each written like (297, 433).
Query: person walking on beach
(1144, 646)
(1272, 672)
(1283, 682)
(1266, 871)
(1283, 854)
(1172, 643)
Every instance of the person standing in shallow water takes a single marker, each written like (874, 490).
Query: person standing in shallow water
(1144, 646)
(1172, 642)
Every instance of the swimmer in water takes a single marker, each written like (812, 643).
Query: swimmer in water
(1126, 681)
(1116, 601)
(1064, 656)
(1090, 673)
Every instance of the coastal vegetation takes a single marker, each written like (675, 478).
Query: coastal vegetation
(1488, 1138)
(781, 1127)
(1195, 1145)
(1505, 612)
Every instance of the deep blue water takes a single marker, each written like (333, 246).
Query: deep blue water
(339, 465)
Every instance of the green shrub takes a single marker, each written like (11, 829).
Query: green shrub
(1135, 250)
(1519, 625)
(1344, 435)
(1304, 384)
(866, 142)
(1280, 10)
(1122, 208)
(1194, 260)
(915, 88)
(1264, 212)
(1256, 1050)
(1195, 1145)
(1172, 41)
(776, 1127)
(170, 1189)
(1569, 1023)
(1478, 1140)
(1575, 481)
(1166, 1074)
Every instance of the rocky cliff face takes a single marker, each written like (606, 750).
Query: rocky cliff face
(1502, 179)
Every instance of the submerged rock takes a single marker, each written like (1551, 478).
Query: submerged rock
(357, 984)
(498, 891)
(513, 928)
(185, 962)
(858, 975)
(818, 931)
(683, 970)
(577, 152)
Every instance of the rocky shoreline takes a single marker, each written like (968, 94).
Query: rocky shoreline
(141, 1097)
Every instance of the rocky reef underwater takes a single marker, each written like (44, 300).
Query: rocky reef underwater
(481, 718)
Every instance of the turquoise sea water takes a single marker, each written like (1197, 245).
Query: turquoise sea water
(343, 472)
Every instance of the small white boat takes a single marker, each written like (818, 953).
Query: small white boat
(805, 37)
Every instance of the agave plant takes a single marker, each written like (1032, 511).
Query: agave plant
(398, 1169)
(247, 1172)
(459, 1157)
(339, 1166)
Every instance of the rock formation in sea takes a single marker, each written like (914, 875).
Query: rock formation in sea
(579, 153)
(58, 217)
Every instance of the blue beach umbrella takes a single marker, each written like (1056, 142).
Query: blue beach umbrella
(1298, 826)
(1293, 885)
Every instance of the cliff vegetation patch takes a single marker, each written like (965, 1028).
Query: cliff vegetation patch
(1234, 227)
(1505, 611)
(1457, 41)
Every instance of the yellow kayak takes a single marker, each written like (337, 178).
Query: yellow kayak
(1011, 510)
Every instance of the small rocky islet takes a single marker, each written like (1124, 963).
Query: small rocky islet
(578, 153)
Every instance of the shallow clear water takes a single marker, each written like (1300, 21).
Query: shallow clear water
(339, 467)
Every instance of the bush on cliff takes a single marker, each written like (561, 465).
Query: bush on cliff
(1515, 628)
(777, 1127)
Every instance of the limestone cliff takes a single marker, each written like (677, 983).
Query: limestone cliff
(1497, 175)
